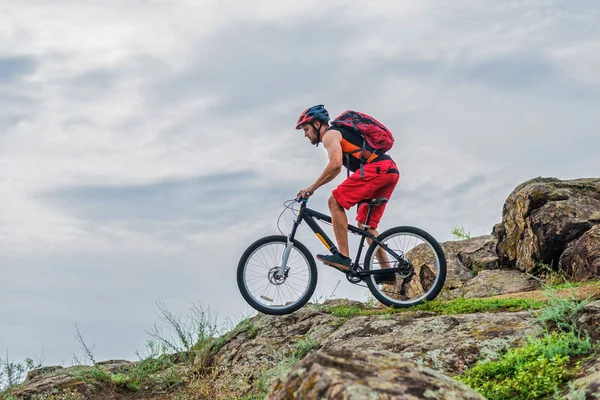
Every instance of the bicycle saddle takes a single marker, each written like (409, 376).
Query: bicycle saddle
(376, 202)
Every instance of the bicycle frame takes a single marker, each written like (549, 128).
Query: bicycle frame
(308, 215)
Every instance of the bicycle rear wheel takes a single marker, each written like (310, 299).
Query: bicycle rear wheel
(259, 281)
(423, 267)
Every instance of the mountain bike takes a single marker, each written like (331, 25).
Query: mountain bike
(403, 266)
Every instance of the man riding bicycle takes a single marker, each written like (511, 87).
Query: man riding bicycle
(375, 175)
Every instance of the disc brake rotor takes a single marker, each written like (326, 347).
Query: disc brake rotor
(275, 278)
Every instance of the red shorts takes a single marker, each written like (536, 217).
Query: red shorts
(376, 183)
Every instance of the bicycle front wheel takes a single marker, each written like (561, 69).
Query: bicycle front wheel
(422, 267)
(260, 282)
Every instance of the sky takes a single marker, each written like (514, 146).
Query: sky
(144, 145)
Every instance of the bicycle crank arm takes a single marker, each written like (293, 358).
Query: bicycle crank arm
(382, 271)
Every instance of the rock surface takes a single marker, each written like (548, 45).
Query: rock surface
(464, 259)
(588, 386)
(489, 283)
(344, 374)
(589, 319)
(270, 340)
(581, 259)
(541, 218)
(447, 343)
(52, 380)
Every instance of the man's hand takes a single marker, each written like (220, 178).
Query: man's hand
(305, 193)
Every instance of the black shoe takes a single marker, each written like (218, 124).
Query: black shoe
(336, 260)
(386, 279)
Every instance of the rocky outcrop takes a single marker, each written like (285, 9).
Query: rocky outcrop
(408, 354)
(57, 380)
(544, 216)
(589, 319)
(383, 355)
(489, 283)
(588, 386)
(581, 258)
(345, 374)
(446, 343)
(465, 258)
(472, 270)
(269, 340)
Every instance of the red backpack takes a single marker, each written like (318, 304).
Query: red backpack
(377, 136)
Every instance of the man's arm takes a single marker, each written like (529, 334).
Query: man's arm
(332, 141)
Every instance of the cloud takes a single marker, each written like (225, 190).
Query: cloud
(145, 145)
(15, 67)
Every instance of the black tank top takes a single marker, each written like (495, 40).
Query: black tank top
(352, 144)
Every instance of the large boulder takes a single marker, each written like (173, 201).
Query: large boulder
(447, 343)
(542, 217)
(266, 340)
(66, 382)
(464, 259)
(489, 283)
(581, 258)
(589, 319)
(345, 374)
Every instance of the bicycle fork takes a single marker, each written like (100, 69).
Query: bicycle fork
(290, 242)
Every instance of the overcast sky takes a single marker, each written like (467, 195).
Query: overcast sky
(145, 144)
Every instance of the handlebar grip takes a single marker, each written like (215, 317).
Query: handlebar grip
(299, 199)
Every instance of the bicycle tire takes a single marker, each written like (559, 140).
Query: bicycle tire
(440, 278)
(243, 287)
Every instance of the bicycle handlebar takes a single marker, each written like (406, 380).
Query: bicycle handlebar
(299, 199)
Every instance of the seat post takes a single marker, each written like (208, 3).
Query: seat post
(368, 216)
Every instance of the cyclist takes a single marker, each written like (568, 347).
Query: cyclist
(378, 179)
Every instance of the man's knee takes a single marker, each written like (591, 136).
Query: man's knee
(333, 203)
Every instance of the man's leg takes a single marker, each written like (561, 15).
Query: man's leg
(345, 196)
(339, 221)
(381, 254)
(340, 225)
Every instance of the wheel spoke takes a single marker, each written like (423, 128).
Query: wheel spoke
(261, 281)
(425, 276)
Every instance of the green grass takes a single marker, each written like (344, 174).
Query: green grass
(457, 306)
(537, 370)
(541, 368)
(304, 346)
(94, 376)
(151, 371)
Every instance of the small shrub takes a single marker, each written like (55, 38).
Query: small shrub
(194, 338)
(304, 346)
(347, 311)
(460, 233)
(534, 371)
(94, 376)
(155, 369)
(551, 278)
(562, 313)
(13, 373)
